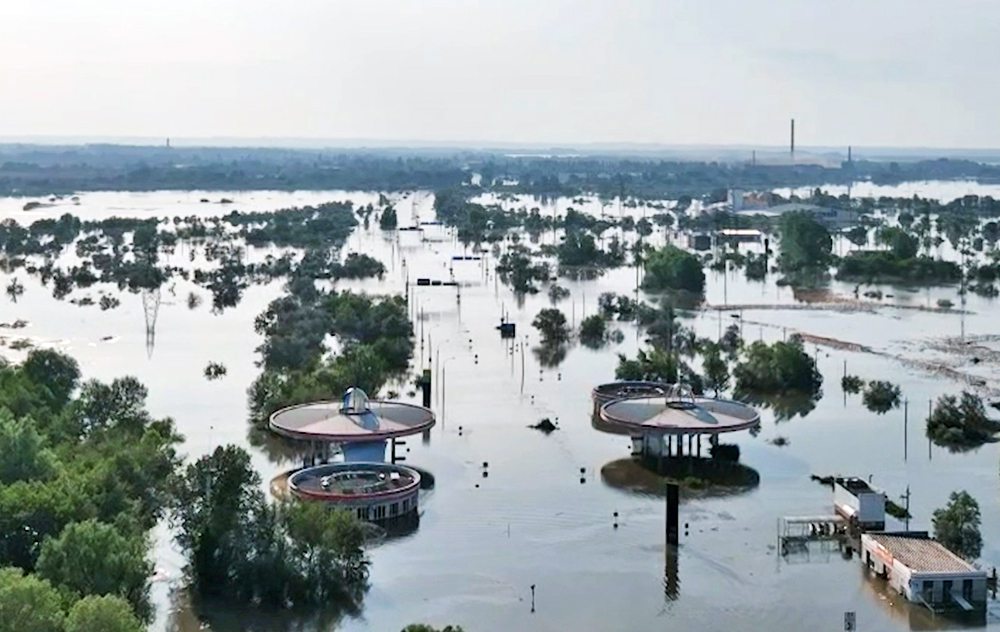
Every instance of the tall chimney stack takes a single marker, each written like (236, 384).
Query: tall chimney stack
(793, 139)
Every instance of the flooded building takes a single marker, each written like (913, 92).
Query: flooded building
(739, 236)
(742, 201)
(360, 427)
(699, 241)
(374, 492)
(832, 218)
(924, 571)
(661, 424)
(859, 503)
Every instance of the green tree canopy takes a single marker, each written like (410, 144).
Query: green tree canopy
(28, 604)
(715, 367)
(777, 368)
(55, 371)
(551, 324)
(671, 268)
(239, 546)
(22, 453)
(93, 558)
(902, 244)
(805, 243)
(107, 613)
(388, 220)
(593, 330)
(961, 423)
(956, 526)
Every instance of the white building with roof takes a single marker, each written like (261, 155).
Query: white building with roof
(859, 502)
(925, 571)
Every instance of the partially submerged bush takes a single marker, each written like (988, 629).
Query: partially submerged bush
(961, 423)
(593, 331)
(881, 396)
(852, 384)
(777, 368)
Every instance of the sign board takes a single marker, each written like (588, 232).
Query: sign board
(850, 621)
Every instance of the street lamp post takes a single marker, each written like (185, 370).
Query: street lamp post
(443, 393)
(437, 359)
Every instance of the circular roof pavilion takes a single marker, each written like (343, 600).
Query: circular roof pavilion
(354, 482)
(354, 418)
(679, 412)
(626, 390)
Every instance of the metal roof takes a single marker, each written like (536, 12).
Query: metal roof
(356, 418)
(697, 415)
(923, 555)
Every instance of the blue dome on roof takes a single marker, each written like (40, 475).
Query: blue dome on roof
(354, 402)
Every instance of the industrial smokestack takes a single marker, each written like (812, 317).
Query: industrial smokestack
(793, 139)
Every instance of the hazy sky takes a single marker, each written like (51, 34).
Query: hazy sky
(862, 72)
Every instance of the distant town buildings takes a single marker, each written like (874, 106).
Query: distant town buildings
(763, 202)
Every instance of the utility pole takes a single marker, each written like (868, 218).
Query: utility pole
(906, 420)
(906, 497)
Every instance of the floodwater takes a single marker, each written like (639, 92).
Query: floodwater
(536, 520)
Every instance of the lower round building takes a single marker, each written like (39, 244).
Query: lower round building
(374, 492)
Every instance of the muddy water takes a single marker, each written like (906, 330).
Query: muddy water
(483, 542)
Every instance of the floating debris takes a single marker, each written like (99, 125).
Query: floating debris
(545, 425)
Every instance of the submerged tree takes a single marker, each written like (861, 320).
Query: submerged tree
(881, 396)
(388, 220)
(961, 424)
(551, 324)
(805, 243)
(778, 368)
(241, 547)
(671, 268)
(715, 367)
(956, 526)
(593, 331)
(215, 371)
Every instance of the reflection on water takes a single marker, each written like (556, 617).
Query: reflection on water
(786, 406)
(550, 356)
(192, 614)
(671, 575)
(916, 616)
(151, 308)
(700, 477)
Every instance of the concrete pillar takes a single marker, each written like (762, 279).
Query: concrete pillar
(673, 502)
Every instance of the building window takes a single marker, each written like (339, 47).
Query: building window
(928, 591)
(394, 509)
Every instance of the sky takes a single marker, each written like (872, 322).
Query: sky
(890, 73)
